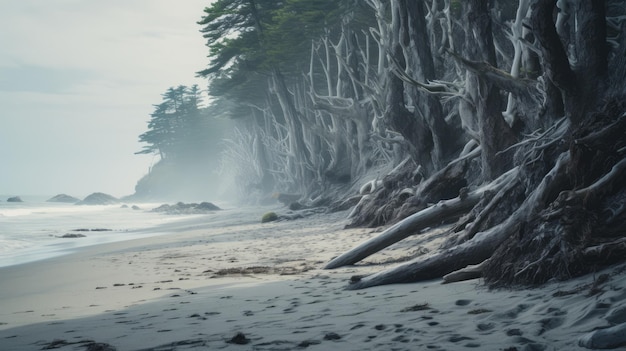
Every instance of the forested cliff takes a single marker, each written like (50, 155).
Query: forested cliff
(504, 117)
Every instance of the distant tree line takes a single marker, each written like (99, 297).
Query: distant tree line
(187, 139)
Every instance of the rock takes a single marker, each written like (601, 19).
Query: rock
(15, 199)
(72, 236)
(239, 339)
(135, 207)
(124, 206)
(183, 208)
(98, 199)
(207, 206)
(162, 208)
(63, 198)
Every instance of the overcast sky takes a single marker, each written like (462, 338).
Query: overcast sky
(78, 80)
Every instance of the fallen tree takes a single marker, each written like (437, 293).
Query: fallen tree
(430, 216)
(474, 251)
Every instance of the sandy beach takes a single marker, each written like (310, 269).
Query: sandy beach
(226, 281)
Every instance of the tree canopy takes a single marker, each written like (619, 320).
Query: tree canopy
(174, 128)
(187, 137)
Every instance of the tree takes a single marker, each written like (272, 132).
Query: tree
(250, 53)
(173, 123)
(548, 213)
(187, 141)
(505, 116)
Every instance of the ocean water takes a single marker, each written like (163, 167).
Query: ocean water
(32, 230)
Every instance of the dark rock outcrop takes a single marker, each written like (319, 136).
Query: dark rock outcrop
(63, 198)
(15, 199)
(99, 199)
(239, 339)
(183, 208)
(72, 236)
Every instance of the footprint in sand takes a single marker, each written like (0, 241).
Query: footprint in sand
(514, 332)
(549, 324)
(483, 327)
(380, 327)
(307, 343)
(401, 338)
(332, 336)
(357, 326)
(458, 338)
(514, 312)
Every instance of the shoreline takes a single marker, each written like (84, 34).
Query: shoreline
(203, 284)
(50, 242)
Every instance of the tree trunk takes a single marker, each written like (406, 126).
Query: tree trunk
(581, 87)
(414, 131)
(417, 50)
(495, 134)
(298, 150)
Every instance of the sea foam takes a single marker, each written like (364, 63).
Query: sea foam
(33, 230)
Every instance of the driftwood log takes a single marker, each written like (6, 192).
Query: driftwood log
(474, 251)
(411, 225)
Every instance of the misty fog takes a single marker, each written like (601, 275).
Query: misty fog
(77, 90)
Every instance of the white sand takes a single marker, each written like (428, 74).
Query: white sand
(167, 293)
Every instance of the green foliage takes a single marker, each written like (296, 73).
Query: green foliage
(456, 8)
(234, 30)
(247, 39)
(269, 217)
(178, 127)
(295, 25)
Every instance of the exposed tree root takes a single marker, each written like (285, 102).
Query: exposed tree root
(412, 194)
(582, 229)
(474, 251)
(467, 273)
(411, 225)
(570, 219)
(377, 208)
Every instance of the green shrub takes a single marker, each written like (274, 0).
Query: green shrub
(269, 217)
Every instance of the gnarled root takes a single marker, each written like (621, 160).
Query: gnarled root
(411, 225)
(474, 251)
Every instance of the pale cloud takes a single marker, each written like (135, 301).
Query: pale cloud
(78, 81)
